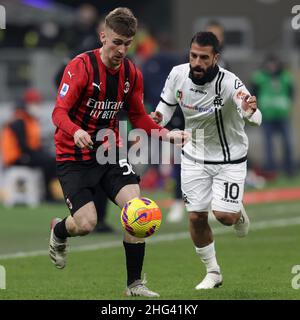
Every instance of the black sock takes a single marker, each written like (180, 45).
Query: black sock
(60, 230)
(134, 260)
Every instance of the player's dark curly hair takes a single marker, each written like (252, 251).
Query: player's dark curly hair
(122, 21)
(206, 38)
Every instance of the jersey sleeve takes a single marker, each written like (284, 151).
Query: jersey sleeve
(238, 93)
(168, 101)
(73, 82)
(136, 111)
(168, 94)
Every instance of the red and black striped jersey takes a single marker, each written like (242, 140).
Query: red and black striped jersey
(90, 96)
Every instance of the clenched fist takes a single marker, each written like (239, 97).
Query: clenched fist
(249, 105)
(156, 116)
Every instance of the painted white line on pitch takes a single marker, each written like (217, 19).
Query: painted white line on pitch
(279, 223)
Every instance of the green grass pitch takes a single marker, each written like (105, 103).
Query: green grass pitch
(256, 267)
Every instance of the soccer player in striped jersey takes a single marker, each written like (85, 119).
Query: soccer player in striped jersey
(94, 87)
(213, 165)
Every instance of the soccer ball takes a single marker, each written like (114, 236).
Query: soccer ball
(141, 217)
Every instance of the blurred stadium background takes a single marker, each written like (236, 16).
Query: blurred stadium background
(40, 36)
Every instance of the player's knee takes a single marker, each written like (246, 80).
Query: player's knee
(198, 218)
(226, 218)
(86, 226)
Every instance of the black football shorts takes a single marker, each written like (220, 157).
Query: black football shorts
(79, 180)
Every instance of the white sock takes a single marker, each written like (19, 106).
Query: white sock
(208, 257)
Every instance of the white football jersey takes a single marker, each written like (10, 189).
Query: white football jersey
(214, 107)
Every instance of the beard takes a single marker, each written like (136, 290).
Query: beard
(204, 72)
(207, 75)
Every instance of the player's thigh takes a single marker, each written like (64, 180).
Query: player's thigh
(228, 188)
(196, 186)
(122, 186)
(77, 185)
(127, 193)
(120, 183)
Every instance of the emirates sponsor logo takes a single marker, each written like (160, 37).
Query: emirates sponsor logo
(104, 109)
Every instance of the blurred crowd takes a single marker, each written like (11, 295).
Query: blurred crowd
(272, 83)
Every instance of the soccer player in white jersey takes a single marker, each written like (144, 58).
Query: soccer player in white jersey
(215, 100)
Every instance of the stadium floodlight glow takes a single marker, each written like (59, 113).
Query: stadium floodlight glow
(41, 4)
(2, 18)
(2, 278)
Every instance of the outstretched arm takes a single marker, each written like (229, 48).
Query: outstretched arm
(163, 113)
(140, 119)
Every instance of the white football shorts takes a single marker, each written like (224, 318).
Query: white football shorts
(216, 186)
